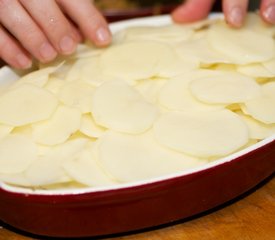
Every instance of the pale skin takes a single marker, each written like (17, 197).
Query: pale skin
(43, 29)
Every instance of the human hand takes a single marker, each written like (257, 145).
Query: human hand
(234, 11)
(45, 28)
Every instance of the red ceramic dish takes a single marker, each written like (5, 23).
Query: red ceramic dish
(128, 207)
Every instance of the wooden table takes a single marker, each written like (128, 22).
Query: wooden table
(250, 217)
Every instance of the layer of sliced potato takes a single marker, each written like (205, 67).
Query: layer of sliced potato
(160, 100)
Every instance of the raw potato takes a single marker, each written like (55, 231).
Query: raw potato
(16, 160)
(137, 60)
(175, 94)
(242, 46)
(139, 157)
(256, 70)
(89, 127)
(77, 94)
(161, 100)
(119, 107)
(38, 78)
(262, 107)
(64, 122)
(46, 170)
(202, 134)
(86, 170)
(257, 130)
(168, 34)
(225, 87)
(5, 130)
(26, 104)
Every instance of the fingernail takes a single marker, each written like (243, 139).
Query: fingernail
(103, 35)
(67, 45)
(235, 17)
(47, 52)
(269, 13)
(23, 61)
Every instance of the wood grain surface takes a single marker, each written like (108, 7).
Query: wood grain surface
(249, 217)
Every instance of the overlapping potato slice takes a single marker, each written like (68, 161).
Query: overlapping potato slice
(262, 107)
(242, 46)
(225, 87)
(46, 170)
(64, 122)
(139, 157)
(202, 134)
(137, 60)
(89, 127)
(84, 168)
(168, 34)
(77, 94)
(26, 104)
(38, 78)
(54, 85)
(257, 130)
(256, 70)
(5, 130)
(175, 94)
(120, 107)
(16, 160)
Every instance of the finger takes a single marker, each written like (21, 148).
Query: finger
(12, 53)
(53, 23)
(267, 11)
(192, 10)
(90, 21)
(235, 12)
(17, 21)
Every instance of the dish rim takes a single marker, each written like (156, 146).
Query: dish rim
(117, 26)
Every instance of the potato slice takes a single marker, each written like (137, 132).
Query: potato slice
(199, 50)
(262, 107)
(225, 87)
(168, 34)
(242, 46)
(137, 60)
(46, 170)
(89, 127)
(64, 122)
(26, 104)
(54, 85)
(5, 130)
(257, 130)
(139, 157)
(119, 107)
(175, 94)
(38, 78)
(270, 66)
(202, 134)
(18, 179)
(17, 152)
(257, 70)
(77, 94)
(150, 88)
(84, 168)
